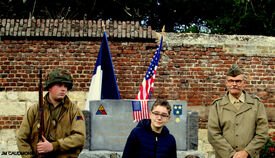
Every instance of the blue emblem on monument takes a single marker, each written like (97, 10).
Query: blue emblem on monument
(177, 110)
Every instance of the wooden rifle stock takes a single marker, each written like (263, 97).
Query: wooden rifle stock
(40, 111)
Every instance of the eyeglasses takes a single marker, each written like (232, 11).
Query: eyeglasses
(161, 115)
(235, 81)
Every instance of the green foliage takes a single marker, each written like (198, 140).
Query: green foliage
(254, 17)
(269, 149)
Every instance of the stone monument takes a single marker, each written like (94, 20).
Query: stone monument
(112, 121)
(109, 123)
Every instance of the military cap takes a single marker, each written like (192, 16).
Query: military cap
(58, 76)
(234, 71)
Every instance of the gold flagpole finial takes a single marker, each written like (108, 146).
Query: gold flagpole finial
(103, 26)
(163, 29)
(161, 34)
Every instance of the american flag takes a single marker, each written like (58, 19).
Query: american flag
(140, 110)
(146, 88)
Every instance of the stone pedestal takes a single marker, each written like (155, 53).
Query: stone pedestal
(112, 122)
(111, 154)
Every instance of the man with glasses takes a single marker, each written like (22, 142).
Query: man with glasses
(151, 138)
(237, 123)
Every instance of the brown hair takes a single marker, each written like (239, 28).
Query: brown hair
(162, 102)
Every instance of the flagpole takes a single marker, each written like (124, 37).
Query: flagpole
(140, 106)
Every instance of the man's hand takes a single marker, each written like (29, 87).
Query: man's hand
(241, 154)
(44, 147)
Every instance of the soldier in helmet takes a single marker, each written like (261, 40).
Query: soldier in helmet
(237, 123)
(64, 125)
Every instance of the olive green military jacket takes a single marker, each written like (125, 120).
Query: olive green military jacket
(69, 131)
(231, 130)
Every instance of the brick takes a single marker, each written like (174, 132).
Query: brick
(6, 127)
(12, 118)
(15, 122)
(196, 69)
(8, 123)
(5, 118)
(19, 118)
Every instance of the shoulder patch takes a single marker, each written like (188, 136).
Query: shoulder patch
(79, 116)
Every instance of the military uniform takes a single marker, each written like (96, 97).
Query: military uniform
(64, 125)
(236, 102)
(231, 130)
(67, 134)
(237, 124)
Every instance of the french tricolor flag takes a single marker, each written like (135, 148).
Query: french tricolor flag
(103, 84)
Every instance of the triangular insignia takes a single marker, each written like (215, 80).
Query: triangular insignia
(101, 111)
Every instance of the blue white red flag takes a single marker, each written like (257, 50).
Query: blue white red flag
(147, 86)
(103, 84)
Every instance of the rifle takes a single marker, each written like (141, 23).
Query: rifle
(40, 111)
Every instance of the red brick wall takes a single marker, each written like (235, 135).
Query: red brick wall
(191, 72)
(194, 74)
(10, 122)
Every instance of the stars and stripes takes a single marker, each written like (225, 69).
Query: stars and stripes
(140, 110)
(146, 88)
(148, 82)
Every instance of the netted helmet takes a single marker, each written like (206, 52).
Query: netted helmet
(58, 76)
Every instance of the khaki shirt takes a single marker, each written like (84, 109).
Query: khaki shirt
(55, 111)
(236, 102)
(231, 130)
(67, 135)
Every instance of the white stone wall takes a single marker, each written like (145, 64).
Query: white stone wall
(17, 103)
(204, 145)
(8, 143)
